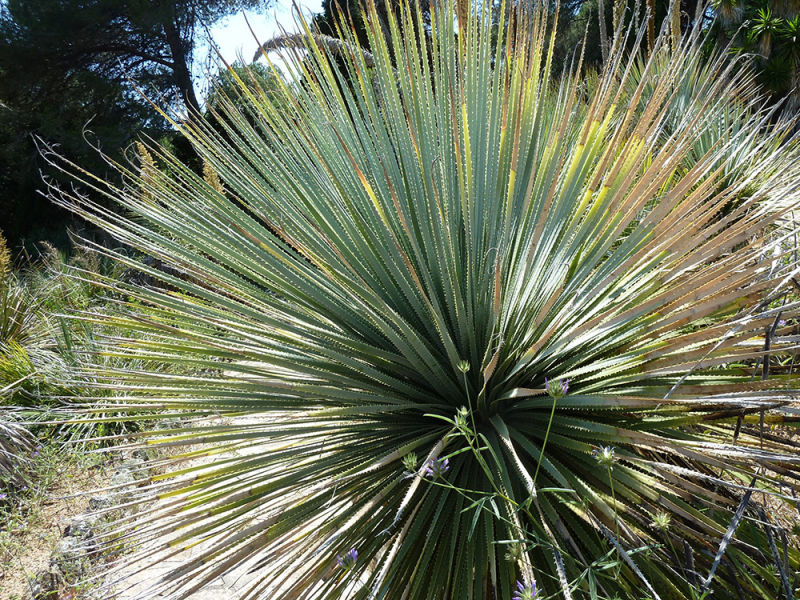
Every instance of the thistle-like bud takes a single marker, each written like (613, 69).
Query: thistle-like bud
(461, 418)
(410, 462)
(605, 456)
(463, 366)
(662, 520)
(515, 552)
(556, 388)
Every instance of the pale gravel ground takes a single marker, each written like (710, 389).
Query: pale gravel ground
(30, 547)
(138, 585)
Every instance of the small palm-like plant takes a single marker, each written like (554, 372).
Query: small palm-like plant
(764, 27)
(472, 324)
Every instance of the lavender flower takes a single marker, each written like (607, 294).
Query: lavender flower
(437, 468)
(525, 591)
(557, 388)
(3, 496)
(348, 561)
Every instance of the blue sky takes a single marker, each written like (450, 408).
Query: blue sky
(232, 36)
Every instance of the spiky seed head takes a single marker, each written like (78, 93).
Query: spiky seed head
(410, 462)
(662, 520)
(5, 259)
(606, 456)
(211, 178)
(147, 171)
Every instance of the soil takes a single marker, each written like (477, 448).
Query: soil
(27, 539)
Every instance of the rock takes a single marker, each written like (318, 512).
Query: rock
(100, 502)
(81, 527)
(144, 454)
(43, 586)
(130, 471)
(167, 424)
(70, 559)
(124, 476)
(127, 476)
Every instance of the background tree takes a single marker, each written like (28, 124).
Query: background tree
(70, 64)
(581, 18)
(769, 32)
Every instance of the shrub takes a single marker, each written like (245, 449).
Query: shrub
(18, 308)
(15, 445)
(479, 325)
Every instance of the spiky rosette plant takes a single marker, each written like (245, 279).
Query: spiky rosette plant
(471, 326)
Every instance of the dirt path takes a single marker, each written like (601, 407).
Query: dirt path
(29, 535)
(140, 580)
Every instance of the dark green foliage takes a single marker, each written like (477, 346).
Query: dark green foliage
(768, 33)
(579, 18)
(73, 71)
(257, 78)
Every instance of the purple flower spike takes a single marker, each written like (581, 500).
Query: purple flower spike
(437, 468)
(348, 561)
(525, 591)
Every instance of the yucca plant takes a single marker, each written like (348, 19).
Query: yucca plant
(471, 324)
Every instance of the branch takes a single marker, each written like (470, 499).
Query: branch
(297, 40)
(122, 48)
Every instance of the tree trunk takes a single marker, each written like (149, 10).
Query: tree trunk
(181, 73)
(651, 24)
